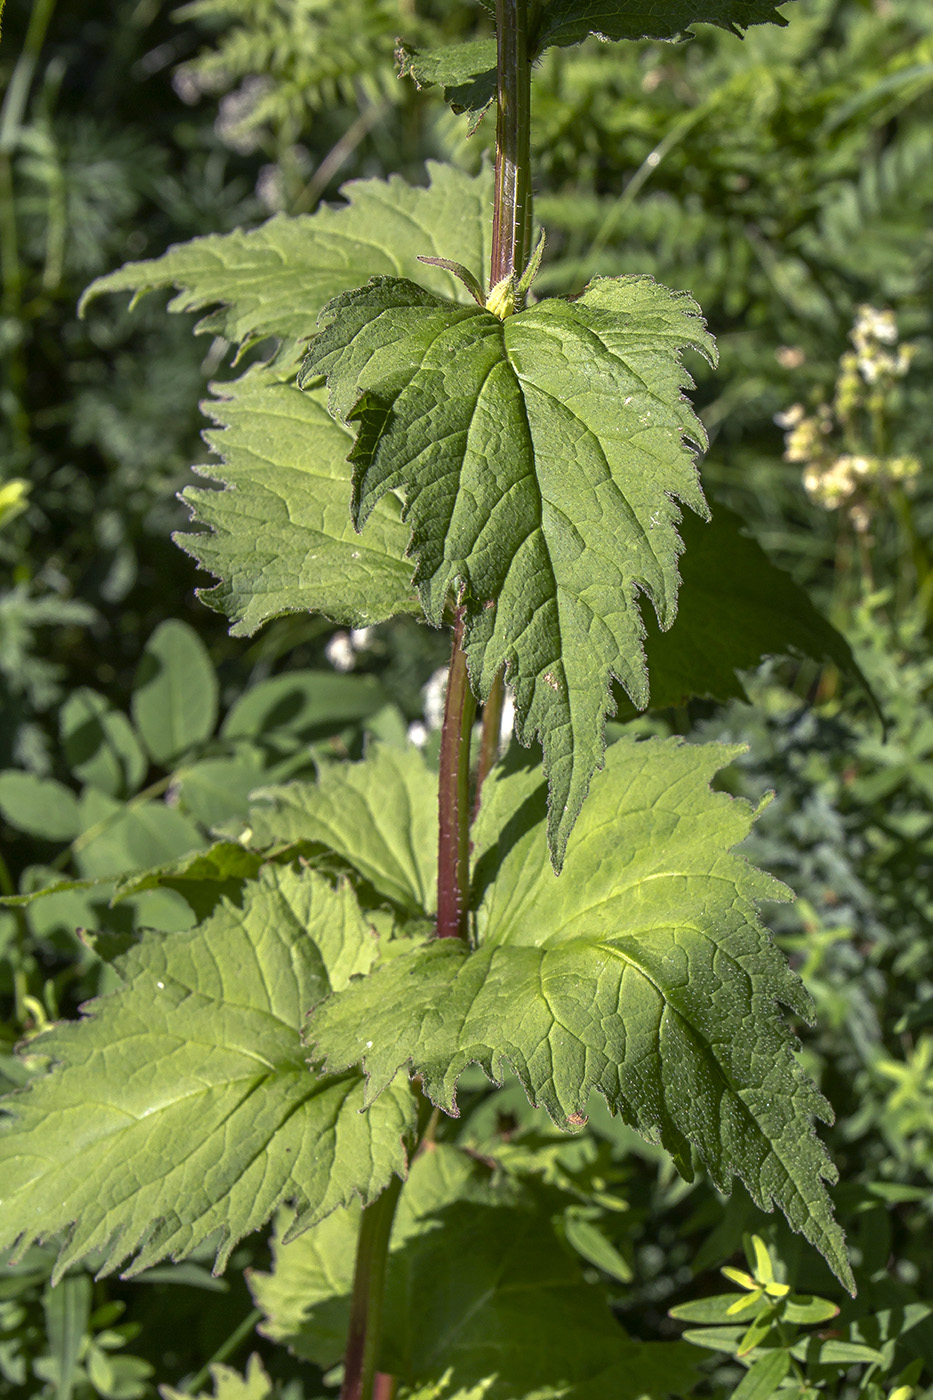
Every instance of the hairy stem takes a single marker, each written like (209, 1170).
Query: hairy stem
(511, 241)
(511, 228)
(453, 845)
(361, 1380)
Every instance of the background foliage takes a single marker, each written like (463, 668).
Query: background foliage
(787, 183)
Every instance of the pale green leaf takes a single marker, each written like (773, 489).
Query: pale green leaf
(41, 806)
(642, 972)
(274, 280)
(181, 1109)
(117, 837)
(542, 458)
(100, 745)
(280, 538)
(514, 1318)
(380, 816)
(174, 699)
(229, 1384)
(217, 790)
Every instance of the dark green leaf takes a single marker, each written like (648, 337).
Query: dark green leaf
(735, 608)
(541, 457)
(570, 21)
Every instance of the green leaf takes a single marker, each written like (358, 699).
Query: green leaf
(182, 1108)
(280, 536)
(643, 972)
(570, 21)
(40, 806)
(116, 839)
(217, 790)
(591, 1244)
(735, 609)
(229, 1384)
(174, 700)
(308, 704)
(274, 280)
(380, 816)
(541, 457)
(101, 746)
(805, 1309)
(224, 866)
(466, 72)
(713, 1309)
(514, 1313)
(763, 1377)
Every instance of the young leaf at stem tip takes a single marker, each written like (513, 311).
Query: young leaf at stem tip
(541, 457)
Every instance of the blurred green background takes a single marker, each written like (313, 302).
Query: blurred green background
(786, 181)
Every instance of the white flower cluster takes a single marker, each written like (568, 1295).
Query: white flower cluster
(872, 332)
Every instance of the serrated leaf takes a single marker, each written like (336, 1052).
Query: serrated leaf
(182, 1108)
(274, 280)
(39, 806)
(735, 608)
(514, 1314)
(280, 536)
(223, 866)
(642, 972)
(570, 21)
(466, 72)
(380, 816)
(174, 701)
(101, 746)
(541, 457)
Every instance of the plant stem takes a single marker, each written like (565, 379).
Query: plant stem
(361, 1380)
(453, 844)
(511, 242)
(491, 736)
(511, 227)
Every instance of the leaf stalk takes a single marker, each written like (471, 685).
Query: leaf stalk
(361, 1380)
